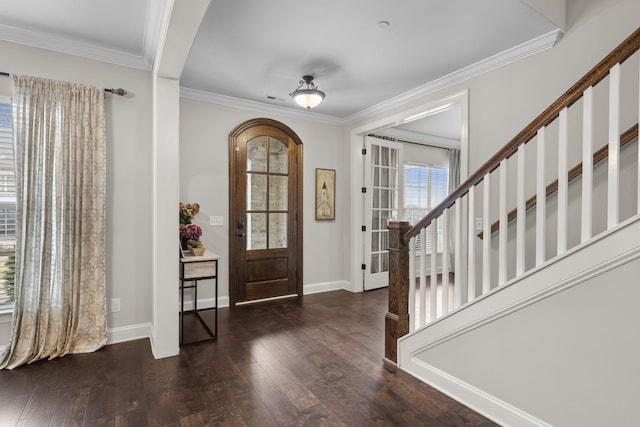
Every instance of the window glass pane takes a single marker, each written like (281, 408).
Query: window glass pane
(7, 204)
(256, 231)
(278, 194)
(257, 154)
(278, 156)
(425, 186)
(277, 230)
(256, 192)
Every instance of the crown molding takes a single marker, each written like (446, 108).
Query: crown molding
(531, 47)
(539, 44)
(142, 61)
(229, 101)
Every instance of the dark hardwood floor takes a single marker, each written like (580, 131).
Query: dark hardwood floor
(310, 362)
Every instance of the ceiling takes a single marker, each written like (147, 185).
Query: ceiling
(365, 54)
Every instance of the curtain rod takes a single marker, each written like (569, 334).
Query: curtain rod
(392, 139)
(119, 91)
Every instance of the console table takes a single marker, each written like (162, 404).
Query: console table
(193, 269)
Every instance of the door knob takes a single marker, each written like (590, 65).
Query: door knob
(240, 234)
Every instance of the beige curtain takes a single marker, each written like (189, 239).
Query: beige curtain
(59, 143)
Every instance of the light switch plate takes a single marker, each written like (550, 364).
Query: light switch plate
(216, 221)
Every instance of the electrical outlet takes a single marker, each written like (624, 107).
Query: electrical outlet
(216, 221)
(115, 305)
(479, 224)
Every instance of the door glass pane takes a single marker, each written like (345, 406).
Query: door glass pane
(384, 199)
(375, 268)
(277, 230)
(385, 261)
(257, 154)
(384, 158)
(256, 231)
(278, 156)
(394, 158)
(376, 177)
(384, 182)
(278, 194)
(375, 220)
(376, 198)
(256, 192)
(375, 244)
(375, 154)
(384, 243)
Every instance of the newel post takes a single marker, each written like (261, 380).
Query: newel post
(397, 318)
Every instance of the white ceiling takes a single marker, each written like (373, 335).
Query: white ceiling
(250, 49)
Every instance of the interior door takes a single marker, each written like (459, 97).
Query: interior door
(382, 180)
(265, 211)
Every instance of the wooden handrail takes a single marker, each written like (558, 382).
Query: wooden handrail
(593, 77)
(627, 136)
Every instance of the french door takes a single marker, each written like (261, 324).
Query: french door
(383, 163)
(265, 205)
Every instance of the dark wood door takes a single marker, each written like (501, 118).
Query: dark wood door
(265, 225)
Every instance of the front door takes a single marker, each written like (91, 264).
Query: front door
(265, 204)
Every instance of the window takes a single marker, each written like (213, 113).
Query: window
(7, 204)
(424, 187)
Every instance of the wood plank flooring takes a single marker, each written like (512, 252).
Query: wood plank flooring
(310, 362)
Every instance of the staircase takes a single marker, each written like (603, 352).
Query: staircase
(542, 325)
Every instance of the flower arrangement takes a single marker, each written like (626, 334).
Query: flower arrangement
(188, 211)
(190, 233)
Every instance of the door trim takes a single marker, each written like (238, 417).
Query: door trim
(297, 232)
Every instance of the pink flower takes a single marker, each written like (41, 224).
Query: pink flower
(190, 232)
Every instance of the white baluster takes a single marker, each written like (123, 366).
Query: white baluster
(522, 214)
(412, 285)
(613, 215)
(423, 276)
(541, 201)
(587, 164)
(486, 235)
(471, 269)
(563, 183)
(445, 262)
(457, 252)
(502, 238)
(434, 269)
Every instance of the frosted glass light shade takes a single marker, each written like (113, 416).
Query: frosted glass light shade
(308, 98)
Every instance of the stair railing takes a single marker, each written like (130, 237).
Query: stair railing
(410, 305)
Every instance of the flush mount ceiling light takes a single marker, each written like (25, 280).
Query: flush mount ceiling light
(309, 97)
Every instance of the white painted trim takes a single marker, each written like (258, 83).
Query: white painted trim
(129, 333)
(474, 398)
(155, 9)
(229, 101)
(531, 47)
(317, 288)
(74, 47)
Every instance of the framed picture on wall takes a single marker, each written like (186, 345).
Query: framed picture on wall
(325, 194)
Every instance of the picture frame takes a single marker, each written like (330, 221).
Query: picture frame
(325, 194)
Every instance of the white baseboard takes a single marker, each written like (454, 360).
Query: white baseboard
(317, 288)
(484, 403)
(129, 333)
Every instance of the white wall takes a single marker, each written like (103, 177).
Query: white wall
(129, 185)
(204, 178)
